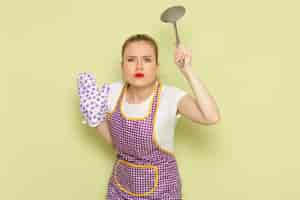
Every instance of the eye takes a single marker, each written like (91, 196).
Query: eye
(129, 59)
(148, 60)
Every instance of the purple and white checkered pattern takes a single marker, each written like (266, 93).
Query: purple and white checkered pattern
(93, 100)
(133, 175)
(135, 179)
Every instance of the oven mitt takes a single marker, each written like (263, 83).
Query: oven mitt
(93, 100)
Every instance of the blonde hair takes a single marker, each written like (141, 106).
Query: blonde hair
(141, 37)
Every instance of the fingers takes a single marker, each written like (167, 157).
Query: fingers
(182, 51)
(182, 55)
(179, 58)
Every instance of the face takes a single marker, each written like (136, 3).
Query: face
(139, 64)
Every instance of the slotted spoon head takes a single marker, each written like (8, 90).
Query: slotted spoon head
(172, 14)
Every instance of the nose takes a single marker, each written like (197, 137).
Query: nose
(139, 64)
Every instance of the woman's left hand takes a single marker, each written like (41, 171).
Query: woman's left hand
(183, 57)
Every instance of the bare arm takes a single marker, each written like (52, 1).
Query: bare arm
(103, 130)
(201, 107)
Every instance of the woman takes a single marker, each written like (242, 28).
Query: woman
(138, 116)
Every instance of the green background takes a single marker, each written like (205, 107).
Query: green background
(246, 52)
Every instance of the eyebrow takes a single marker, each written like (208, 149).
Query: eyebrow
(143, 56)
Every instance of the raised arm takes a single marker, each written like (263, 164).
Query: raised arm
(200, 108)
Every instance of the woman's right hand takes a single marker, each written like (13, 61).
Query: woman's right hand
(93, 100)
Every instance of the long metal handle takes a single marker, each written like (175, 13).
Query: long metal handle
(176, 33)
(178, 41)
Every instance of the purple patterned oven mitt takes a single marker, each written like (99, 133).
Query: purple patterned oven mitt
(93, 100)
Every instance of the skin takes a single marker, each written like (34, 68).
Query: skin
(201, 107)
(140, 57)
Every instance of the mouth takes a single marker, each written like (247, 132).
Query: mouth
(139, 75)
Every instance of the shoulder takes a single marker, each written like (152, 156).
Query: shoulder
(115, 89)
(117, 83)
(114, 86)
(172, 91)
(171, 95)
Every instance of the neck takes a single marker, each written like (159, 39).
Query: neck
(139, 94)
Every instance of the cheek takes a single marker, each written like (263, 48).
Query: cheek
(130, 66)
(151, 71)
(128, 70)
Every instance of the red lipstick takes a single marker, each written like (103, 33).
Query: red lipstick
(139, 75)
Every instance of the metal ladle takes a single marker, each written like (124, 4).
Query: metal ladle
(171, 15)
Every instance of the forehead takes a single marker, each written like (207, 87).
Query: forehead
(139, 48)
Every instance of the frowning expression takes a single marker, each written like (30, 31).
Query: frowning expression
(139, 63)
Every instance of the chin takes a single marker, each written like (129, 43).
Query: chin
(140, 82)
